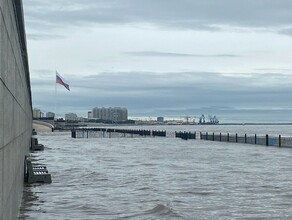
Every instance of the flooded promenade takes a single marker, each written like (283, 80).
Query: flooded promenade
(162, 178)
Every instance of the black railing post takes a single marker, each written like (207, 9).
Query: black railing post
(73, 134)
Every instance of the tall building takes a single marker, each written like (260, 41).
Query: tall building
(50, 115)
(15, 107)
(116, 114)
(160, 119)
(90, 114)
(71, 117)
(36, 113)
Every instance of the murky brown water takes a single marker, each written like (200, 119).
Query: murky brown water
(162, 178)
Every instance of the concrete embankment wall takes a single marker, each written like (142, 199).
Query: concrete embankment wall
(15, 107)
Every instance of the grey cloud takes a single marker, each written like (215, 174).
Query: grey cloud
(274, 69)
(199, 14)
(286, 31)
(168, 54)
(144, 92)
(44, 36)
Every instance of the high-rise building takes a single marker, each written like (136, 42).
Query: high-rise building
(71, 117)
(90, 114)
(50, 115)
(36, 113)
(160, 119)
(116, 114)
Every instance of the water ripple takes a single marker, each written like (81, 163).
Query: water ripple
(160, 178)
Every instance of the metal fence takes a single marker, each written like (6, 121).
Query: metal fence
(266, 140)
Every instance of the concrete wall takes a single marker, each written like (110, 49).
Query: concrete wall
(15, 107)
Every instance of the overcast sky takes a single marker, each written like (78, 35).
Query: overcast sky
(161, 57)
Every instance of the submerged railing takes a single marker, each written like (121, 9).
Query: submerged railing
(267, 140)
(110, 132)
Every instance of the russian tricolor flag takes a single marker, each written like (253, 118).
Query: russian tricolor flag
(60, 80)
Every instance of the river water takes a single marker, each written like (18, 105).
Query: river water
(162, 178)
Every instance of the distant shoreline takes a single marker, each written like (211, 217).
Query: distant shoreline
(223, 124)
(262, 123)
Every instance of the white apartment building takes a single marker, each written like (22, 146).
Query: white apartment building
(36, 113)
(115, 114)
(71, 117)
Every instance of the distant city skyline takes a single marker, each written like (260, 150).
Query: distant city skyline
(162, 58)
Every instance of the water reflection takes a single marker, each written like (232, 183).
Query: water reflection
(30, 202)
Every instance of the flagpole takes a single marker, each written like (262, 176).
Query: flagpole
(59, 80)
(56, 96)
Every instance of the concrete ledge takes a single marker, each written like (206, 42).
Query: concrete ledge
(41, 127)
